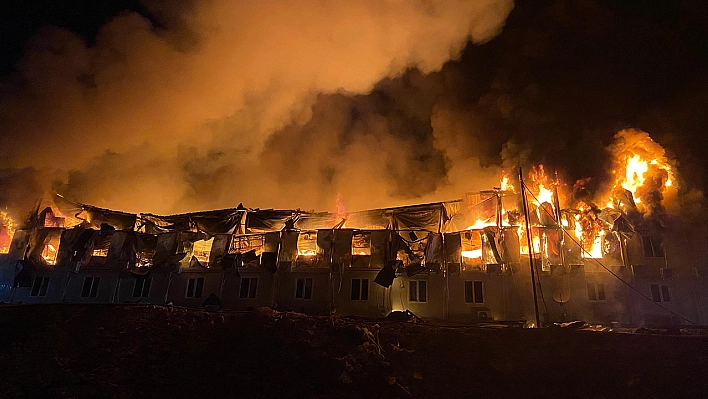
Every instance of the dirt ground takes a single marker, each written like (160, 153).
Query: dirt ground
(116, 351)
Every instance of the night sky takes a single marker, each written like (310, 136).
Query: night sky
(553, 87)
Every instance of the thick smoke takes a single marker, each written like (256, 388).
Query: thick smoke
(207, 105)
(229, 102)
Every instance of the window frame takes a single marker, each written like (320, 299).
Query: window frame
(146, 281)
(653, 243)
(362, 290)
(198, 251)
(93, 284)
(195, 288)
(41, 289)
(251, 288)
(660, 293)
(476, 292)
(599, 294)
(414, 294)
(301, 290)
(358, 238)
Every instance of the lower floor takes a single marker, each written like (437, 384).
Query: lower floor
(467, 296)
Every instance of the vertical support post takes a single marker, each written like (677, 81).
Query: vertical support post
(530, 244)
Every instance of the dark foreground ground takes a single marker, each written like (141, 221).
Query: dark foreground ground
(111, 351)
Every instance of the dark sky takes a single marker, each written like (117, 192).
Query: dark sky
(554, 87)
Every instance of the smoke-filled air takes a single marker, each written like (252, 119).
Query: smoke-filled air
(315, 104)
(230, 102)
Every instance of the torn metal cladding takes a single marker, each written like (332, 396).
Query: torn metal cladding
(461, 260)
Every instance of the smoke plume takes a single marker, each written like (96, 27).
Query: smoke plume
(227, 102)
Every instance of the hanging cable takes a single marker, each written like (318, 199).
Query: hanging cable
(610, 271)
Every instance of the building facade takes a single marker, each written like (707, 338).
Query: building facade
(436, 260)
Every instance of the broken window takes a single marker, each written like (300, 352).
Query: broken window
(245, 243)
(249, 287)
(418, 291)
(195, 286)
(101, 245)
(90, 289)
(201, 250)
(473, 292)
(307, 244)
(142, 287)
(471, 250)
(303, 288)
(596, 291)
(361, 244)
(653, 247)
(39, 286)
(660, 293)
(359, 289)
(51, 249)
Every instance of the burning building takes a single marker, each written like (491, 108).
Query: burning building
(508, 253)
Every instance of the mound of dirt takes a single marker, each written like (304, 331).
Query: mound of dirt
(116, 351)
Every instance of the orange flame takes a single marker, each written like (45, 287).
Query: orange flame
(641, 168)
(340, 215)
(7, 231)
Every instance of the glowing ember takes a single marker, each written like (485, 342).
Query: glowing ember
(7, 231)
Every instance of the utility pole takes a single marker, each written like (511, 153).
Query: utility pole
(530, 244)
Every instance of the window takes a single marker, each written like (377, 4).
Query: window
(90, 289)
(50, 251)
(142, 287)
(249, 287)
(660, 293)
(39, 287)
(307, 244)
(473, 292)
(195, 286)
(653, 247)
(471, 242)
(596, 291)
(303, 288)
(201, 251)
(361, 244)
(418, 291)
(243, 244)
(101, 245)
(360, 289)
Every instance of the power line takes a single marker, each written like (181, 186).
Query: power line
(525, 188)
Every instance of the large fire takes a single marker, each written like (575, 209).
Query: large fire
(643, 178)
(640, 167)
(7, 231)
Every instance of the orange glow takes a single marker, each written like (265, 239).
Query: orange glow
(201, 250)
(340, 216)
(307, 244)
(50, 254)
(540, 186)
(473, 254)
(480, 224)
(505, 184)
(7, 231)
(642, 168)
(100, 252)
